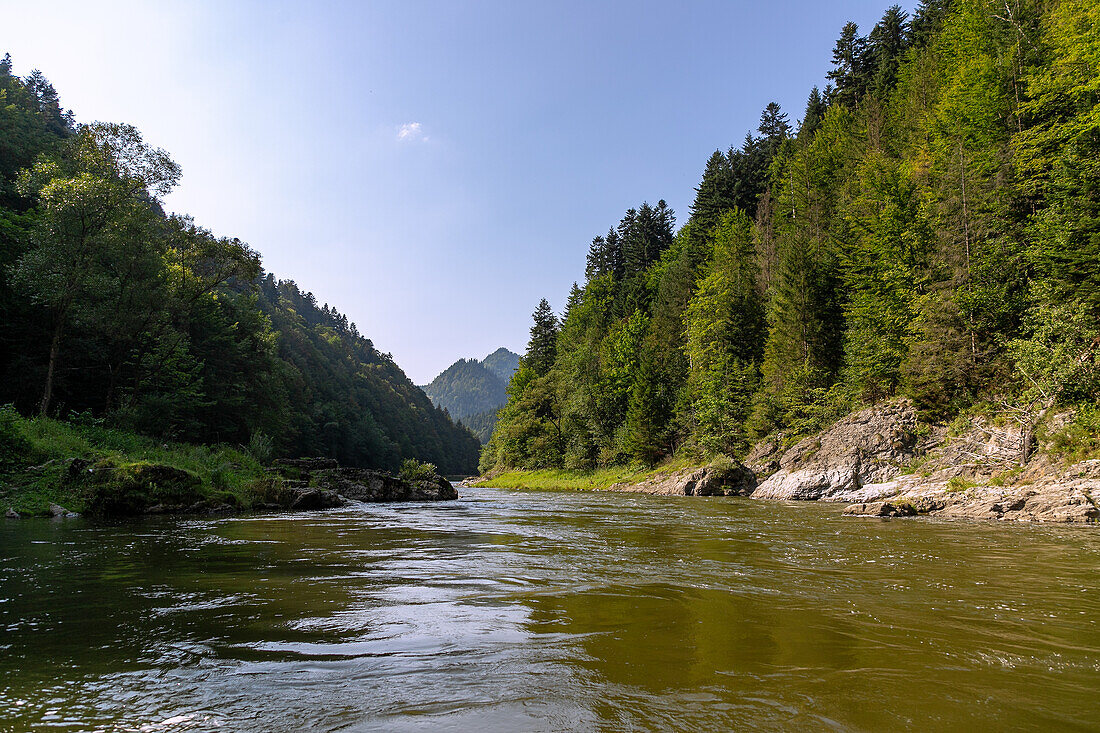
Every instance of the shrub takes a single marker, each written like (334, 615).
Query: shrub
(15, 449)
(262, 447)
(413, 470)
(1079, 439)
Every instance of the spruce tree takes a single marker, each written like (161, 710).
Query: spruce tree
(850, 67)
(812, 117)
(543, 346)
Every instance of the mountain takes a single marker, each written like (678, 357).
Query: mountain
(472, 391)
(502, 363)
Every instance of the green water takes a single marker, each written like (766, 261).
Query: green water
(510, 611)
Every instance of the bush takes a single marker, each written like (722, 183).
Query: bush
(1079, 439)
(15, 449)
(413, 470)
(261, 447)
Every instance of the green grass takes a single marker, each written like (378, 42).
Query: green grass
(34, 455)
(601, 478)
(957, 484)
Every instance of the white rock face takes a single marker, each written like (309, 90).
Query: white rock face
(851, 461)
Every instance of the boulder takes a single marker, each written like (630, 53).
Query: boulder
(11, 514)
(56, 510)
(865, 448)
(367, 485)
(732, 479)
(763, 459)
(313, 499)
(883, 509)
(126, 489)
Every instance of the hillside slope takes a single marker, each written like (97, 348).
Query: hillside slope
(115, 312)
(472, 391)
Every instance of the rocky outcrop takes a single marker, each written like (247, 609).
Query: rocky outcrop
(1068, 496)
(847, 460)
(726, 480)
(359, 484)
(312, 499)
(315, 483)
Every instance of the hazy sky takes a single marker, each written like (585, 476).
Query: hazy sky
(431, 169)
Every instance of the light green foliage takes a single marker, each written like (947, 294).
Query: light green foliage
(413, 471)
(14, 447)
(126, 473)
(1080, 439)
(261, 447)
(724, 323)
(932, 230)
(884, 269)
(1059, 360)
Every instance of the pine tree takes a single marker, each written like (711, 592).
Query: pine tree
(887, 43)
(812, 117)
(850, 66)
(714, 194)
(543, 346)
(928, 20)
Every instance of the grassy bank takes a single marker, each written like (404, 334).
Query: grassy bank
(116, 469)
(599, 479)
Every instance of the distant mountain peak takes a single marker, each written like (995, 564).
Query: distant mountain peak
(472, 390)
(502, 363)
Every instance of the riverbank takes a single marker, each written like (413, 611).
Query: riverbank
(53, 468)
(84, 468)
(882, 461)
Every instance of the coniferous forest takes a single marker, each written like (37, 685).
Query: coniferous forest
(472, 391)
(928, 227)
(114, 312)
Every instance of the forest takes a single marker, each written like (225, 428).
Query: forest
(116, 313)
(472, 391)
(928, 229)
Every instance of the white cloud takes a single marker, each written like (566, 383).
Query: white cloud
(411, 131)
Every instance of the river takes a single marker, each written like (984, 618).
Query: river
(539, 611)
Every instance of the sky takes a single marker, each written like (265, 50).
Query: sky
(430, 169)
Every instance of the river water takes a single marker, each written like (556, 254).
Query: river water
(537, 611)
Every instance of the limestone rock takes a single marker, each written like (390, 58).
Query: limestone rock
(866, 447)
(734, 480)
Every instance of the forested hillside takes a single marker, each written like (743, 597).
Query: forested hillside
(113, 311)
(930, 228)
(502, 363)
(472, 391)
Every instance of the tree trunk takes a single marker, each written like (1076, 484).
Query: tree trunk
(55, 348)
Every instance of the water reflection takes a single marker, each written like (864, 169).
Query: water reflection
(521, 611)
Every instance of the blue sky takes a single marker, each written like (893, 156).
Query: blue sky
(431, 169)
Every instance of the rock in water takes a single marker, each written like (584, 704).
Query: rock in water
(56, 510)
(362, 484)
(313, 499)
(867, 447)
(323, 484)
